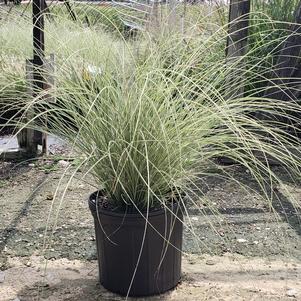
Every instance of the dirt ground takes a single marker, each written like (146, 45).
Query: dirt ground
(237, 247)
(205, 278)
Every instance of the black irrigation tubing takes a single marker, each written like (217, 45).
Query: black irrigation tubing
(70, 10)
(10, 231)
(87, 20)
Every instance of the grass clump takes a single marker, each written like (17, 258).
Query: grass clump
(143, 134)
(155, 120)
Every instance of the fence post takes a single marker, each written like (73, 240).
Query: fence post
(237, 44)
(29, 139)
(237, 41)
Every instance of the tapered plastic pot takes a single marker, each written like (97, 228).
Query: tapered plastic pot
(133, 261)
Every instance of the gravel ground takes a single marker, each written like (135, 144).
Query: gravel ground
(37, 223)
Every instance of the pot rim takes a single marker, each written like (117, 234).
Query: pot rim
(173, 206)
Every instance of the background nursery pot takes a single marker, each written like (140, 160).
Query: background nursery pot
(119, 239)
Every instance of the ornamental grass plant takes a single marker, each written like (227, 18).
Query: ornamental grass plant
(152, 126)
(154, 119)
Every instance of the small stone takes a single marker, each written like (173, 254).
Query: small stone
(2, 277)
(41, 235)
(63, 163)
(49, 196)
(194, 218)
(198, 284)
(258, 228)
(31, 165)
(210, 262)
(255, 242)
(192, 261)
(28, 264)
(292, 293)
(241, 240)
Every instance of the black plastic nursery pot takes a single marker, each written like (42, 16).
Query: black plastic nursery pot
(134, 261)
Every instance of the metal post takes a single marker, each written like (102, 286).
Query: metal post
(33, 138)
(38, 7)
